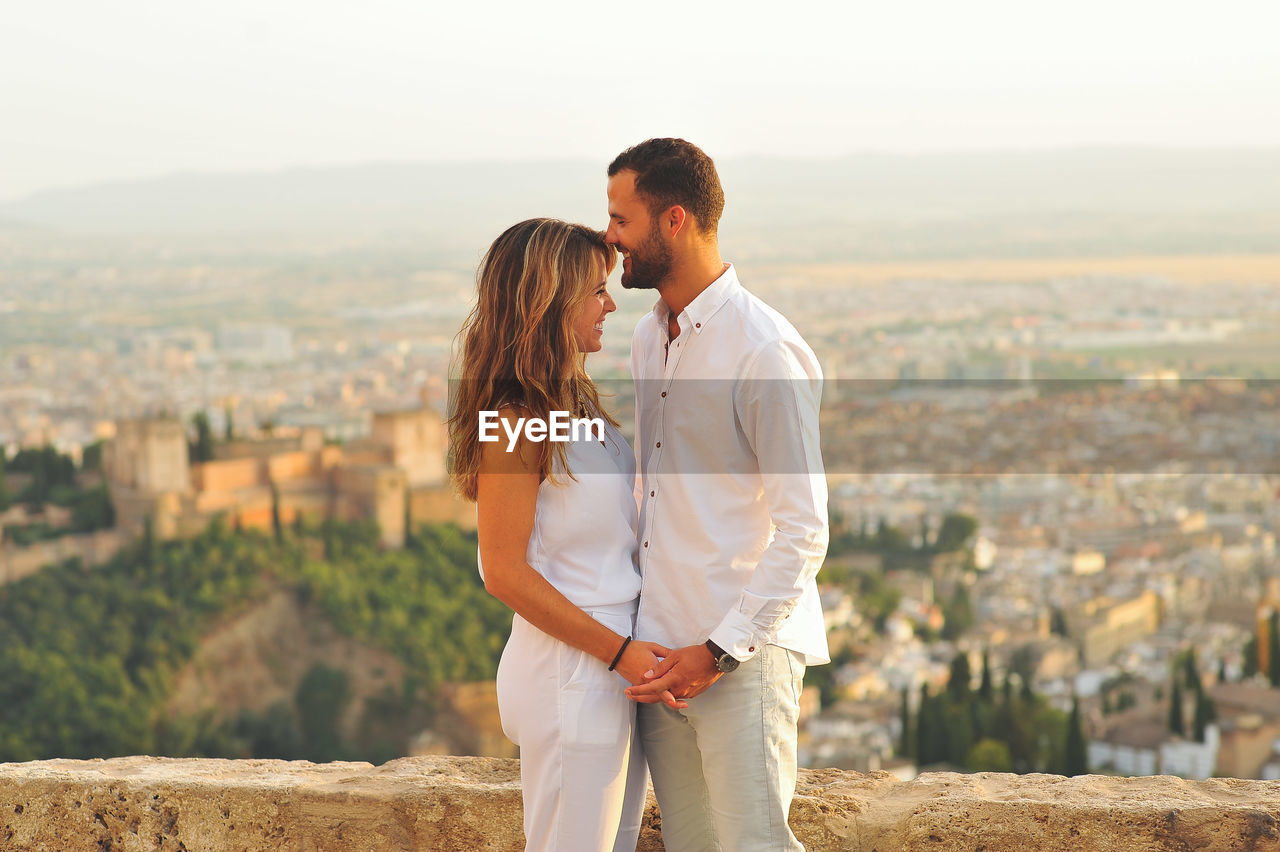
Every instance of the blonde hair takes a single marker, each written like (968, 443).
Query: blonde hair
(518, 346)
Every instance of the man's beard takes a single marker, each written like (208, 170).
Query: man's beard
(650, 263)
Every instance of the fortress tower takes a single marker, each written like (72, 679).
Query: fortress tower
(147, 472)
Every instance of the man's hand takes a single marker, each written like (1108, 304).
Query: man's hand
(684, 673)
(639, 661)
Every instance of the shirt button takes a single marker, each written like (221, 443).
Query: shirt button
(664, 394)
(659, 444)
(752, 649)
(697, 325)
(651, 493)
(646, 544)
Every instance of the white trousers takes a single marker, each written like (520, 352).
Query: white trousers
(724, 769)
(582, 770)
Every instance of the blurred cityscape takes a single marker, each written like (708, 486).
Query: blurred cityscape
(1048, 477)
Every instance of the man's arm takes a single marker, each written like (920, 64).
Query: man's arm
(777, 401)
(778, 405)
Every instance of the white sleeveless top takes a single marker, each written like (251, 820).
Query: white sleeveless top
(584, 529)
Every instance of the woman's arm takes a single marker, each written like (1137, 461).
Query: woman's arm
(507, 494)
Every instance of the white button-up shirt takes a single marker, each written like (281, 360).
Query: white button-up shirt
(733, 511)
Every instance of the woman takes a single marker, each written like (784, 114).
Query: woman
(557, 526)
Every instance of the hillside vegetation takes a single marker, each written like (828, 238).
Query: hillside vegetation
(90, 657)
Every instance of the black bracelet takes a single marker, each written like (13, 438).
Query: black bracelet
(625, 643)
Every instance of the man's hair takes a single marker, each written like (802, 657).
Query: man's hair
(672, 172)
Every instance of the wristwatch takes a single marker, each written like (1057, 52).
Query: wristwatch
(724, 662)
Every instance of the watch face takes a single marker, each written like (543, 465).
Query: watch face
(726, 663)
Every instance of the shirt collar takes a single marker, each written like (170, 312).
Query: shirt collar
(701, 309)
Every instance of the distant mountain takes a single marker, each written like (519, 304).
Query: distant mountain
(866, 205)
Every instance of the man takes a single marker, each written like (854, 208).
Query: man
(733, 516)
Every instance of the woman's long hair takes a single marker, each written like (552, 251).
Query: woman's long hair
(518, 346)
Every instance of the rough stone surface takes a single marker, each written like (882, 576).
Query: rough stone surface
(459, 803)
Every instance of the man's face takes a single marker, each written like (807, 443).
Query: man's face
(646, 257)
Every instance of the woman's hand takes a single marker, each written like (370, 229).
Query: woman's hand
(638, 664)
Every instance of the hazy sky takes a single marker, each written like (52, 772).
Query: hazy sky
(96, 91)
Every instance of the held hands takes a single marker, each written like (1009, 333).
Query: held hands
(641, 659)
(684, 672)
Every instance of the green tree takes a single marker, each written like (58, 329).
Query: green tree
(93, 510)
(37, 493)
(986, 690)
(1191, 669)
(1057, 621)
(229, 433)
(959, 679)
(277, 529)
(990, 755)
(1250, 658)
(959, 731)
(958, 614)
(904, 743)
(1273, 648)
(1077, 762)
(1204, 714)
(5, 499)
(321, 699)
(1177, 723)
(91, 457)
(924, 736)
(202, 448)
(955, 532)
(890, 539)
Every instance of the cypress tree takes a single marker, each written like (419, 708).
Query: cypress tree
(1203, 715)
(904, 744)
(202, 449)
(986, 689)
(1176, 723)
(1076, 758)
(1250, 658)
(958, 682)
(1273, 648)
(276, 527)
(4, 492)
(923, 754)
(1191, 669)
(150, 546)
(959, 734)
(939, 734)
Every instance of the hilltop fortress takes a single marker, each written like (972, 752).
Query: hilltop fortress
(395, 476)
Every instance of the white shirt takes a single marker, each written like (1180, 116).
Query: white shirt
(733, 511)
(584, 531)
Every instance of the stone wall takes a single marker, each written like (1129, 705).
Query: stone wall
(457, 803)
(91, 549)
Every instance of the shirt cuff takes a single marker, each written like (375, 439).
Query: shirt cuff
(738, 637)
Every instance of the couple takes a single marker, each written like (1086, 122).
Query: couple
(698, 590)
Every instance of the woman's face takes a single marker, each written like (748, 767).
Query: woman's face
(588, 325)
